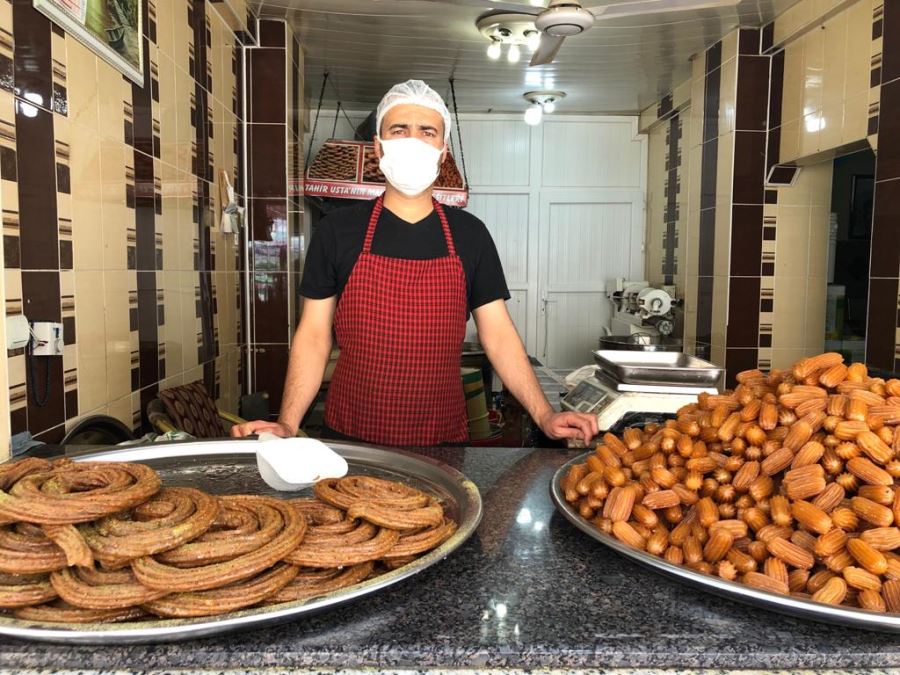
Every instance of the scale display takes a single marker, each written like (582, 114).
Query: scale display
(586, 397)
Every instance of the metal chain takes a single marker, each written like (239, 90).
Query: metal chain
(336, 118)
(462, 154)
(316, 121)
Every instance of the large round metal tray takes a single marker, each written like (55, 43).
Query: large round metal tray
(229, 467)
(806, 609)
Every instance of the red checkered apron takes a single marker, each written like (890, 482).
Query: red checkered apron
(400, 325)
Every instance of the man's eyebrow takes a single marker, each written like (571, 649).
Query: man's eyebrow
(399, 125)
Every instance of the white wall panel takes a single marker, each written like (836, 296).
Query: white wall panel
(589, 243)
(506, 218)
(593, 154)
(497, 151)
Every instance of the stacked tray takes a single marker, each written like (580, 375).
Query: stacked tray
(663, 368)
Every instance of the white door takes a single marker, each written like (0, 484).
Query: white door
(587, 238)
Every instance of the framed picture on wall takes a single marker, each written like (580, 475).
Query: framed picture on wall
(861, 207)
(109, 28)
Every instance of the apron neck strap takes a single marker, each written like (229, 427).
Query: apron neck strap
(376, 214)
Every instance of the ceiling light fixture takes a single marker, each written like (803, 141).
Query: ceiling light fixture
(533, 115)
(512, 30)
(541, 102)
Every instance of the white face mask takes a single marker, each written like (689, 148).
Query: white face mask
(410, 165)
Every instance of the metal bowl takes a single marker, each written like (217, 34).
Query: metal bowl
(641, 342)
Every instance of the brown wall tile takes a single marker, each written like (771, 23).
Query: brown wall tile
(270, 365)
(881, 329)
(885, 261)
(268, 160)
(746, 240)
(888, 165)
(270, 315)
(271, 33)
(267, 101)
(749, 167)
(743, 312)
(33, 72)
(752, 93)
(890, 56)
(36, 169)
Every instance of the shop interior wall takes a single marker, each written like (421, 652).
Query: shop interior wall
(111, 208)
(767, 263)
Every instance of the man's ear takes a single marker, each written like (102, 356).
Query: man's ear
(444, 152)
(379, 151)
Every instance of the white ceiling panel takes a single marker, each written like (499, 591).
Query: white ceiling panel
(618, 66)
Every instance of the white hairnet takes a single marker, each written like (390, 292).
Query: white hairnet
(413, 92)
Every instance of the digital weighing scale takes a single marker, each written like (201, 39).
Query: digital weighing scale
(641, 382)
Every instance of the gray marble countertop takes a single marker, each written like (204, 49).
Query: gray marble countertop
(527, 591)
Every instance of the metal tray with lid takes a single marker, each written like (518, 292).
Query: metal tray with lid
(783, 604)
(229, 467)
(657, 368)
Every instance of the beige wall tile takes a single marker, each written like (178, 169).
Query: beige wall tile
(190, 324)
(165, 30)
(114, 215)
(174, 337)
(81, 78)
(729, 46)
(792, 101)
(86, 201)
(790, 140)
(792, 242)
(720, 311)
(815, 315)
(859, 34)
(168, 111)
(789, 315)
(831, 126)
(835, 61)
(818, 241)
(722, 248)
(90, 322)
(784, 358)
(856, 118)
(727, 97)
(118, 336)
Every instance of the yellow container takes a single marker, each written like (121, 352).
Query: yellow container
(476, 403)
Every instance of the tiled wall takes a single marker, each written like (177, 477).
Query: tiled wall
(111, 209)
(796, 91)
(668, 196)
(883, 330)
(275, 129)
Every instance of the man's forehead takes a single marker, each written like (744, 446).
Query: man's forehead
(410, 113)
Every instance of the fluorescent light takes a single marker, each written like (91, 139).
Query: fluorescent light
(534, 115)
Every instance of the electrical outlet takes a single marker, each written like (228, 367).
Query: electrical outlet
(48, 338)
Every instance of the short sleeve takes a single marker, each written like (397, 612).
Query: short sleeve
(488, 280)
(320, 267)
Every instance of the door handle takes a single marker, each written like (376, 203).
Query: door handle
(545, 310)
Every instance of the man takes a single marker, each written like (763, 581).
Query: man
(396, 279)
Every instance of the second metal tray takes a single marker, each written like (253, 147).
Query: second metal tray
(784, 604)
(657, 368)
(229, 467)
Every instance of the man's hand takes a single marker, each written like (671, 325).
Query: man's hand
(557, 425)
(256, 426)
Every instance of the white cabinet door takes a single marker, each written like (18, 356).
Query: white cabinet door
(587, 238)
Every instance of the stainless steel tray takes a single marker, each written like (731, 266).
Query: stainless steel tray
(657, 368)
(783, 604)
(229, 467)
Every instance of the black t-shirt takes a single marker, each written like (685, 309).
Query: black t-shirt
(338, 241)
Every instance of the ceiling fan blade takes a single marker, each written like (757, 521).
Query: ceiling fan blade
(546, 51)
(489, 5)
(617, 10)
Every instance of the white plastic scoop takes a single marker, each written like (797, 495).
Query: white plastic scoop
(291, 464)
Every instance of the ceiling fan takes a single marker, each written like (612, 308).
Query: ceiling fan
(565, 18)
